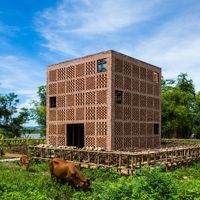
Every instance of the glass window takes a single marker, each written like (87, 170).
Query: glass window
(102, 65)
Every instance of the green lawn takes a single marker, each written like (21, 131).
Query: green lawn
(18, 184)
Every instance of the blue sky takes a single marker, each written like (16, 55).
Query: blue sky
(35, 33)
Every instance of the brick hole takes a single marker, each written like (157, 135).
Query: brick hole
(70, 114)
(80, 99)
(61, 74)
(90, 113)
(70, 72)
(101, 112)
(90, 98)
(119, 81)
(118, 128)
(101, 128)
(61, 115)
(52, 129)
(52, 89)
(118, 65)
(102, 81)
(80, 84)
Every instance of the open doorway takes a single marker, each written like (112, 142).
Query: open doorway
(75, 135)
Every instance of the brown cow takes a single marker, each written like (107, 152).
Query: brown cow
(62, 170)
(25, 160)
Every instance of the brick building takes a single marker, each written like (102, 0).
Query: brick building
(107, 100)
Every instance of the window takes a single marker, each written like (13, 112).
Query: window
(102, 65)
(52, 102)
(155, 77)
(118, 97)
(156, 129)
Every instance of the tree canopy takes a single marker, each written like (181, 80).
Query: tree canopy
(38, 112)
(11, 118)
(180, 108)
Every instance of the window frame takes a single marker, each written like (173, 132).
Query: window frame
(118, 94)
(102, 65)
(52, 102)
(156, 129)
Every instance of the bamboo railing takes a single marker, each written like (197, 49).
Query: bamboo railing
(123, 162)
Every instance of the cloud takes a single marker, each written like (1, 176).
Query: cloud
(175, 48)
(165, 34)
(72, 27)
(22, 76)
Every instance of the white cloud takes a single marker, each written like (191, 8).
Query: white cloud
(165, 34)
(71, 28)
(22, 76)
(175, 48)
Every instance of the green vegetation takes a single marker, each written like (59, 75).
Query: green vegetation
(180, 108)
(182, 183)
(11, 118)
(181, 141)
(38, 112)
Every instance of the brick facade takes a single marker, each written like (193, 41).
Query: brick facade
(119, 108)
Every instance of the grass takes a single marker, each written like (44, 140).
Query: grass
(181, 183)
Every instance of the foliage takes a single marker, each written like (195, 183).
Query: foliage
(11, 118)
(39, 108)
(147, 183)
(180, 108)
(196, 125)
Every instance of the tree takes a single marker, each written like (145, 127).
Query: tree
(178, 102)
(39, 108)
(12, 119)
(196, 125)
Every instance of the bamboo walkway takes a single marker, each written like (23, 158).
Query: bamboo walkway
(123, 162)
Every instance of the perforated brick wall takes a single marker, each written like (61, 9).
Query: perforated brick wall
(139, 112)
(82, 97)
(86, 96)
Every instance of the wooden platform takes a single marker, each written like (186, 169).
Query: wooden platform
(123, 162)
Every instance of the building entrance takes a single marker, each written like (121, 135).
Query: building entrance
(75, 135)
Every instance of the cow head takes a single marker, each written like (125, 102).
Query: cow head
(85, 185)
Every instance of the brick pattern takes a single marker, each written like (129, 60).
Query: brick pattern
(83, 96)
(78, 89)
(101, 128)
(140, 108)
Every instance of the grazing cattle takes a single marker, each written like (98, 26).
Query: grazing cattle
(62, 170)
(25, 160)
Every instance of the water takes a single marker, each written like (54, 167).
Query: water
(31, 135)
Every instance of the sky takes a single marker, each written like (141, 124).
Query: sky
(36, 33)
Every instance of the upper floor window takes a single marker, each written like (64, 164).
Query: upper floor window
(118, 97)
(156, 129)
(102, 65)
(52, 102)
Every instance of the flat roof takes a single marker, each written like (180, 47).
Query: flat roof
(99, 53)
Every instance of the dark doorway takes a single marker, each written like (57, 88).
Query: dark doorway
(75, 135)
